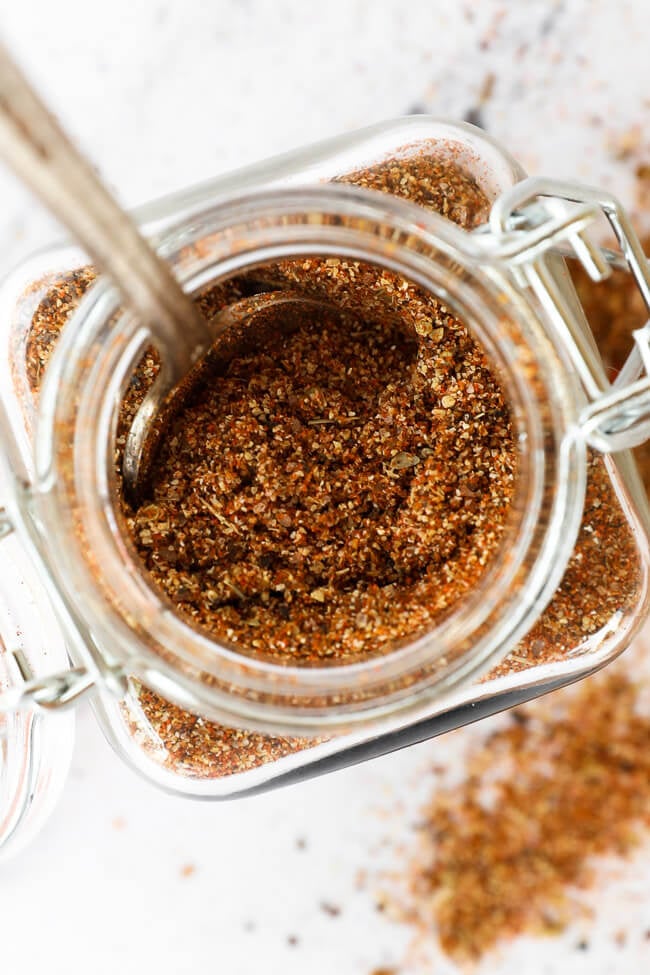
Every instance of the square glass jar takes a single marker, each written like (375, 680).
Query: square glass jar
(198, 718)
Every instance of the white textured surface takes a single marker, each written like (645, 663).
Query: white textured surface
(164, 94)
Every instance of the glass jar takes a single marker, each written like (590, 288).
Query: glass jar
(563, 593)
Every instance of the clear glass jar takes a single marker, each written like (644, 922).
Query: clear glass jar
(193, 714)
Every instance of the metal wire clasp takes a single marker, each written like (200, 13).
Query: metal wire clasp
(52, 693)
(529, 225)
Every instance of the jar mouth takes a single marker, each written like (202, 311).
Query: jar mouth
(76, 432)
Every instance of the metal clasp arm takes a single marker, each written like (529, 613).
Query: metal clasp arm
(618, 416)
(52, 693)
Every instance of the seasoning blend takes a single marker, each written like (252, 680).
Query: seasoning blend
(566, 782)
(367, 521)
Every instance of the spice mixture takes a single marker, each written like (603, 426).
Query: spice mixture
(508, 849)
(334, 490)
(321, 500)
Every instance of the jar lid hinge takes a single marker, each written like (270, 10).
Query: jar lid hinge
(539, 218)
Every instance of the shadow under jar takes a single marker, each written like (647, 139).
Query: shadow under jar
(366, 522)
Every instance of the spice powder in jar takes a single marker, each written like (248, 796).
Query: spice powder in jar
(614, 309)
(332, 492)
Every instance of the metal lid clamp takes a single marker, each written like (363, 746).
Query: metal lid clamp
(90, 668)
(54, 692)
(530, 225)
(59, 691)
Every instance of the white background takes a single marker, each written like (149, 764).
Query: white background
(124, 879)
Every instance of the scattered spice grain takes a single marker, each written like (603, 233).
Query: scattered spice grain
(332, 910)
(505, 851)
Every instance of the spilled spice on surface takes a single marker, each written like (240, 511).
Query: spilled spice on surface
(503, 852)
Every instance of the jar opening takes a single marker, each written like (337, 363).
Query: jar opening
(340, 475)
(325, 228)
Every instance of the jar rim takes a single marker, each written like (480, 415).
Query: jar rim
(73, 458)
